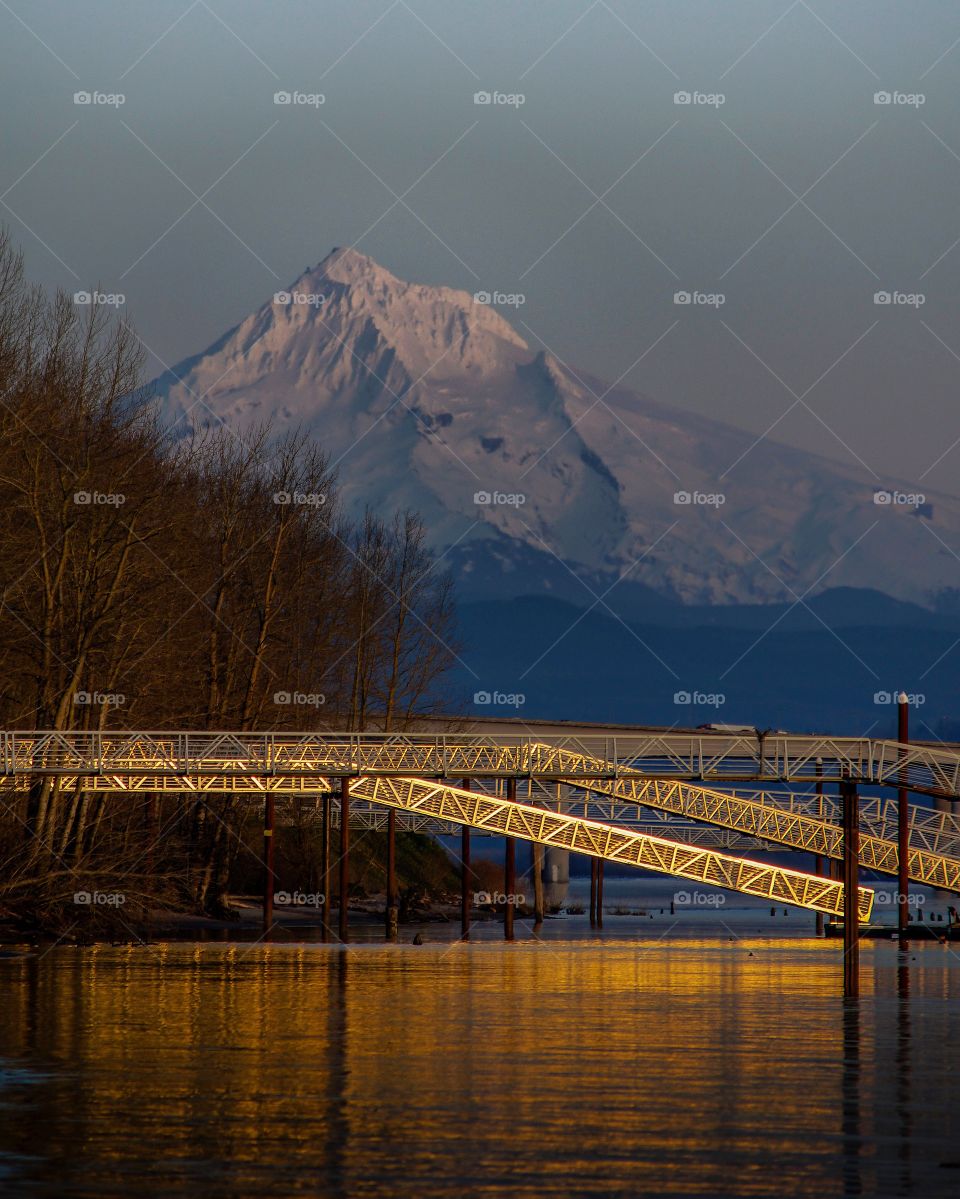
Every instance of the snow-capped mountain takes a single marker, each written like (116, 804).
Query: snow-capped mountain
(530, 473)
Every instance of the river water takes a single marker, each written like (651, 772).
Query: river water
(711, 1058)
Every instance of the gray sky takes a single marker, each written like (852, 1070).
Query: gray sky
(506, 198)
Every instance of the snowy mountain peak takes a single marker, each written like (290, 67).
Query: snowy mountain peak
(427, 398)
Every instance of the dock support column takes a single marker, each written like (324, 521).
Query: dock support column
(818, 861)
(391, 907)
(903, 826)
(344, 856)
(510, 871)
(536, 854)
(465, 880)
(326, 878)
(851, 889)
(593, 892)
(600, 865)
(269, 869)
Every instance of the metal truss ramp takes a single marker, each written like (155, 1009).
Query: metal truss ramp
(507, 817)
(757, 817)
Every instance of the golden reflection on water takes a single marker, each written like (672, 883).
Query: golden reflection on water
(571, 1068)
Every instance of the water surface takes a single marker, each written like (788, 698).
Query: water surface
(638, 1062)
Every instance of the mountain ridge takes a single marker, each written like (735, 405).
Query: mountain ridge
(428, 399)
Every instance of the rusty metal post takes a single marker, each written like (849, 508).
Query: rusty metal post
(593, 892)
(510, 871)
(344, 856)
(600, 893)
(818, 861)
(325, 873)
(391, 906)
(903, 825)
(851, 888)
(465, 882)
(269, 870)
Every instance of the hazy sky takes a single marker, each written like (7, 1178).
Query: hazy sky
(796, 198)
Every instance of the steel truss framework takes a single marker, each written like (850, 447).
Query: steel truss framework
(245, 764)
(303, 757)
(374, 818)
(527, 822)
(764, 820)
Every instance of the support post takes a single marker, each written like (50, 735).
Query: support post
(269, 870)
(465, 880)
(537, 859)
(593, 892)
(818, 861)
(510, 871)
(391, 907)
(903, 825)
(851, 889)
(600, 864)
(344, 856)
(326, 878)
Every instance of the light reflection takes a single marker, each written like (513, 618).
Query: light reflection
(705, 1067)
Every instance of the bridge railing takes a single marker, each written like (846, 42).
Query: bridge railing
(708, 757)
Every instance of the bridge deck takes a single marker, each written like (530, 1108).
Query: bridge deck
(292, 758)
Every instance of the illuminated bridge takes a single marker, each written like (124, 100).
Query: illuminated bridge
(594, 794)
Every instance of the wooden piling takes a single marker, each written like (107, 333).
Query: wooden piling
(851, 888)
(903, 825)
(593, 892)
(465, 880)
(344, 930)
(390, 912)
(269, 867)
(326, 879)
(510, 872)
(600, 865)
(818, 861)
